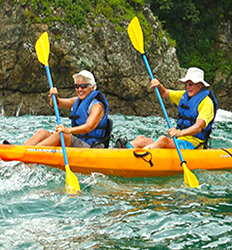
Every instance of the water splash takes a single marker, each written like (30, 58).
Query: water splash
(18, 109)
(112, 212)
(223, 115)
(2, 113)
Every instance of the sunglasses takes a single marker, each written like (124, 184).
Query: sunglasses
(82, 86)
(190, 84)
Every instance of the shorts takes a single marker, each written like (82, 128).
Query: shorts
(78, 143)
(182, 144)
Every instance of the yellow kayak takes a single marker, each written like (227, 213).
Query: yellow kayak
(120, 162)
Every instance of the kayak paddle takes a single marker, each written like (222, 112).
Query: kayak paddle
(136, 36)
(42, 48)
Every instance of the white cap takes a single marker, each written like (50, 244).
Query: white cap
(195, 75)
(88, 76)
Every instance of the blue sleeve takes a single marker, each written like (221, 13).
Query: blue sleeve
(94, 101)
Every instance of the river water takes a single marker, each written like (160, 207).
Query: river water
(113, 212)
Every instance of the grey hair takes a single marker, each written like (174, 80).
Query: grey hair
(86, 79)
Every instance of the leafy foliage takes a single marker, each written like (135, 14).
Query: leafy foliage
(76, 11)
(45, 11)
(194, 25)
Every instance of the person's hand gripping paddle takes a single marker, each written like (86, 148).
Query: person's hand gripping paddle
(42, 48)
(136, 36)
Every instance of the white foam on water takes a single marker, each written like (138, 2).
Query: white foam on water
(223, 115)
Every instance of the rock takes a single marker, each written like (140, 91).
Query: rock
(99, 47)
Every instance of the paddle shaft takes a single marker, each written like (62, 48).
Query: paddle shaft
(57, 113)
(162, 106)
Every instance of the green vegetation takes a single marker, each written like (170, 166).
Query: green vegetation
(47, 11)
(76, 11)
(194, 25)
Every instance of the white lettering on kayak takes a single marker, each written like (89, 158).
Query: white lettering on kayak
(44, 150)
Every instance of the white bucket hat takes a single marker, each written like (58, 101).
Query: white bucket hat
(195, 75)
(88, 77)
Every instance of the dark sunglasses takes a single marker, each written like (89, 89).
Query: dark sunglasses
(190, 84)
(82, 86)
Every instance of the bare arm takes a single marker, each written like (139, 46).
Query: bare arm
(163, 91)
(192, 130)
(65, 103)
(96, 113)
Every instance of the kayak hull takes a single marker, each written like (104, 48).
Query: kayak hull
(120, 162)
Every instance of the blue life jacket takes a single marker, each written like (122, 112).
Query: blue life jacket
(79, 115)
(188, 112)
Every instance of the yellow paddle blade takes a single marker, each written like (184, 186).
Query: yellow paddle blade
(136, 35)
(42, 48)
(72, 183)
(189, 178)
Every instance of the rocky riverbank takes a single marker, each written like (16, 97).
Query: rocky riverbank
(99, 47)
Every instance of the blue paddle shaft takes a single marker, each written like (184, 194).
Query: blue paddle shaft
(57, 113)
(162, 106)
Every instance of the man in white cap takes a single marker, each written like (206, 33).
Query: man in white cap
(89, 112)
(197, 108)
